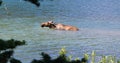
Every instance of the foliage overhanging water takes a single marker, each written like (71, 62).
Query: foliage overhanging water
(98, 22)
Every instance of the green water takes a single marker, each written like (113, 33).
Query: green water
(99, 32)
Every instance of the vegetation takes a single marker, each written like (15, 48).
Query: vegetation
(0, 2)
(104, 59)
(62, 58)
(35, 2)
(7, 50)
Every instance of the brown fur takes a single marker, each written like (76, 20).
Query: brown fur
(59, 26)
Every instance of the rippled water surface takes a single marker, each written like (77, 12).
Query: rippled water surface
(98, 22)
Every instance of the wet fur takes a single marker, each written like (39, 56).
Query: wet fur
(59, 26)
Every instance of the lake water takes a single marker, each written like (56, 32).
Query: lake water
(98, 21)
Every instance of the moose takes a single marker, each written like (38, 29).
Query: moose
(59, 26)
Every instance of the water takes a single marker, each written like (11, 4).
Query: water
(98, 22)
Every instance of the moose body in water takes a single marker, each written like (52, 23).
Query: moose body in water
(59, 26)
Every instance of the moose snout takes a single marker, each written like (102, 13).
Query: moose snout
(42, 25)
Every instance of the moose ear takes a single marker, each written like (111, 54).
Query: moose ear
(50, 21)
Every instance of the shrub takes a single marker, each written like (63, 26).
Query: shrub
(6, 50)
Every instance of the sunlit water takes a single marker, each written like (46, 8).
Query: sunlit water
(98, 22)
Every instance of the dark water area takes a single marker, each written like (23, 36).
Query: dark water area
(98, 21)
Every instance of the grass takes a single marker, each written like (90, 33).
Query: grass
(62, 58)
